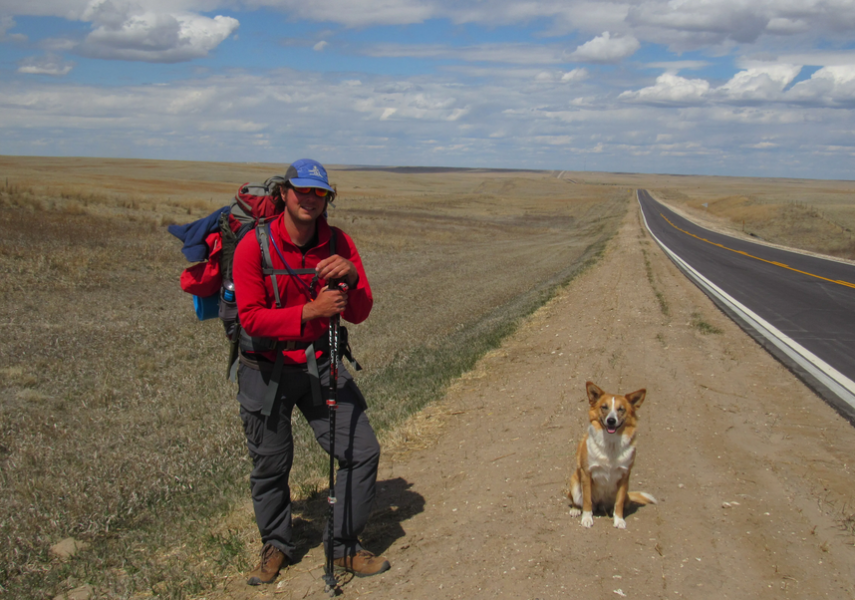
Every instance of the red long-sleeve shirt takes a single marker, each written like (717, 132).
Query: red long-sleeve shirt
(254, 291)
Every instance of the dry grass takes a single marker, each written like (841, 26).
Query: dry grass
(113, 404)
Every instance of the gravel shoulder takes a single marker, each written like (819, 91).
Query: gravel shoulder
(752, 470)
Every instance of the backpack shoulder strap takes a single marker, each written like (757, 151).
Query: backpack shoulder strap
(262, 232)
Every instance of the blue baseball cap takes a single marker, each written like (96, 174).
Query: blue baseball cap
(308, 173)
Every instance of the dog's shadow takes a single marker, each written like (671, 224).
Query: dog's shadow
(395, 503)
(628, 509)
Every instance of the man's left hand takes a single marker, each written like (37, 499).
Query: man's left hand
(336, 268)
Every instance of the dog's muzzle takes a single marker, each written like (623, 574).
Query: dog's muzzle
(612, 424)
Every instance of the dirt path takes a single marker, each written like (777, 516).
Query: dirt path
(753, 472)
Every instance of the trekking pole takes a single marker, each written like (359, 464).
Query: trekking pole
(332, 403)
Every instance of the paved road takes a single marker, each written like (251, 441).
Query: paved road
(808, 303)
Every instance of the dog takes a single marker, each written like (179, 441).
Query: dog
(605, 457)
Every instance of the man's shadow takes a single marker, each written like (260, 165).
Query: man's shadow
(395, 503)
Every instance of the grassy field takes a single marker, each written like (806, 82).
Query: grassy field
(117, 425)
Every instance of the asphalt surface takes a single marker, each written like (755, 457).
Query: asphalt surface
(809, 299)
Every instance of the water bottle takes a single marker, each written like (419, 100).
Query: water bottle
(229, 291)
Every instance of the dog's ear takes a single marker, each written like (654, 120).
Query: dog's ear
(636, 397)
(594, 392)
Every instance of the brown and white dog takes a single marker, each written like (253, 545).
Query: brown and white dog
(605, 457)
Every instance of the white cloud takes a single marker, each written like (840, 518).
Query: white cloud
(575, 75)
(49, 64)
(231, 125)
(358, 14)
(485, 124)
(191, 101)
(828, 86)
(680, 21)
(606, 49)
(811, 58)
(761, 83)
(430, 106)
(670, 89)
(554, 140)
(457, 114)
(496, 73)
(787, 26)
(767, 84)
(526, 54)
(674, 66)
(319, 47)
(739, 20)
(125, 31)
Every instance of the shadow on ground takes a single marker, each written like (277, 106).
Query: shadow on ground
(395, 503)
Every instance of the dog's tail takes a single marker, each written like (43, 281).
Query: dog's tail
(642, 498)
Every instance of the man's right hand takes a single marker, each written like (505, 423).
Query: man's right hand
(330, 302)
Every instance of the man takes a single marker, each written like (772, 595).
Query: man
(290, 323)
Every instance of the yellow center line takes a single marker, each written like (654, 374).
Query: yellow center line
(771, 262)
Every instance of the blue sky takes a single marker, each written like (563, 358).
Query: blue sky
(724, 87)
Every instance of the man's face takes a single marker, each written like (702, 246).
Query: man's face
(304, 207)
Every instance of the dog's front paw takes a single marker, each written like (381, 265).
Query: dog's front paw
(620, 523)
(575, 511)
(587, 519)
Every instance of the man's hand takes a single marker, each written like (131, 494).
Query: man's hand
(330, 302)
(336, 268)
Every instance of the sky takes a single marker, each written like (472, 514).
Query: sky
(761, 88)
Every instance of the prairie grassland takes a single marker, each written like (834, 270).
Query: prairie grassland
(117, 425)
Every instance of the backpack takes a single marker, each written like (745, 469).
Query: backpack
(253, 205)
(211, 241)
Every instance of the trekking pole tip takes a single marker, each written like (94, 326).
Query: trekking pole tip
(331, 587)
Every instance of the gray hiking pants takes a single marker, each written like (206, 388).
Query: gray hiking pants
(271, 447)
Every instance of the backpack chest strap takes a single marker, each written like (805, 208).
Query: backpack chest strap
(270, 271)
(263, 235)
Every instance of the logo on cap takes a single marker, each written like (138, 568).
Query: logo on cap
(315, 171)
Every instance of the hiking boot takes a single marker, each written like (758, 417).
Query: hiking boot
(363, 564)
(272, 559)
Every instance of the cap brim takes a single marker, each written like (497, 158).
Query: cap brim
(309, 182)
